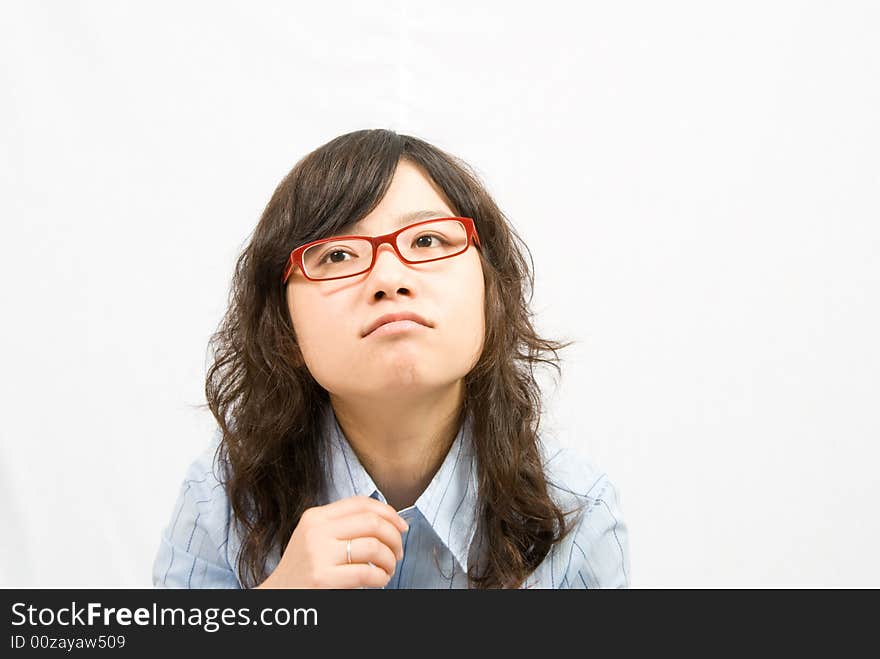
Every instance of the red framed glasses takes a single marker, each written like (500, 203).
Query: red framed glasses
(346, 256)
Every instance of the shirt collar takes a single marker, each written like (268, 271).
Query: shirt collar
(448, 504)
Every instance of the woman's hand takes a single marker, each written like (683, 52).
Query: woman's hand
(316, 555)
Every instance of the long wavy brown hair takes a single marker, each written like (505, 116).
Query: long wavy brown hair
(268, 405)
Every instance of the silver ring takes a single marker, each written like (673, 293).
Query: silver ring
(348, 551)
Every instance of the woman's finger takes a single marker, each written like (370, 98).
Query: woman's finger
(357, 575)
(368, 550)
(369, 524)
(362, 504)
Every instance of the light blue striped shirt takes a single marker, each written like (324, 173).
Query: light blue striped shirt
(200, 545)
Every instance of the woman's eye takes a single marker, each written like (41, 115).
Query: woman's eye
(427, 238)
(331, 253)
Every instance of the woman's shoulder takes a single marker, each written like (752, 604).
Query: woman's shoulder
(203, 486)
(570, 474)
(595, 553)
(205, 475)
(206, 478)
(196, 545)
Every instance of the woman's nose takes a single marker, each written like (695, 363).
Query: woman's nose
(389, 252)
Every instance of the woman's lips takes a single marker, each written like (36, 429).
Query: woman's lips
(396, 327)
(393, 318)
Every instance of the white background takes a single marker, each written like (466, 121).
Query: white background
(699, 184)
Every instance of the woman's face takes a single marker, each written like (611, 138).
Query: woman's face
(330, 317)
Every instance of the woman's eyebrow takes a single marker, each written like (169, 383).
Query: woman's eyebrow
(404, 219)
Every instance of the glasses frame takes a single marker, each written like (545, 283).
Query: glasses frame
(296, 256)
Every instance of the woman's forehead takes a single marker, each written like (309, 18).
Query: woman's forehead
(374, 226)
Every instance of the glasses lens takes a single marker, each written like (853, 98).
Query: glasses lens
(337, 258)
(433, 240)
(424, 242)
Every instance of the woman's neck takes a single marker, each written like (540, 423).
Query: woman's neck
(401, 443)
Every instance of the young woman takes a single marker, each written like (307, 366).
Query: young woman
(372, 382)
